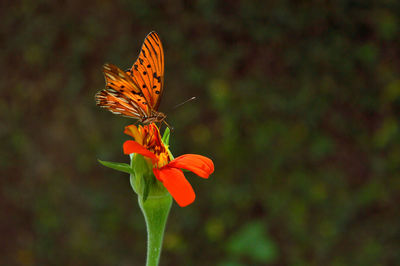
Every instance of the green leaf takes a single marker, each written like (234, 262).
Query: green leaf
(165, 137)
(123, 167)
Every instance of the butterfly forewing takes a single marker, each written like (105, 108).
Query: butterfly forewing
(148, 70)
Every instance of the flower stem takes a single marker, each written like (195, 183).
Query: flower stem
(155, 210)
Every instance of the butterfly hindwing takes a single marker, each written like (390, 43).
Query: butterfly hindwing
(148, 70)
(119, 105)
(122, 96)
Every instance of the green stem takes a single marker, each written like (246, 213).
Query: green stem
(155, 210)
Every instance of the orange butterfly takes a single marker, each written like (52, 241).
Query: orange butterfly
(137, 92)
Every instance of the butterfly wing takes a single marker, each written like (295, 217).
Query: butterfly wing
(148, 70)
(122, 96)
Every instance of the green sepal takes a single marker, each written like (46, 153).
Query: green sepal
(146, 189)
(165, 137)
(143, 179)
(165, 140)
(123, 167)
(141, 170)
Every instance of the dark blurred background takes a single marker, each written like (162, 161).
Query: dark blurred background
(298, 105)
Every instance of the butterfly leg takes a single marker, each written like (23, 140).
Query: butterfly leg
(170, 127)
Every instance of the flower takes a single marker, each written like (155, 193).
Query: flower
(169, 172)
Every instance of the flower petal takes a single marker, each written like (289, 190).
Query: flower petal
(200, 165)
(131, 146)
(132, 131)
(176, 184)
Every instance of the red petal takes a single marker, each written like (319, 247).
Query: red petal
(200, 165)
(131, 146)
(177, 185)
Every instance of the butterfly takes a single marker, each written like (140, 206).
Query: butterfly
(136, 93)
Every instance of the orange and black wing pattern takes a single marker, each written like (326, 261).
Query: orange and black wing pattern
(137, 92)
(148, 70)
(121, 95)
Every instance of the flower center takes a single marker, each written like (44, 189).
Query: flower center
(149, 137)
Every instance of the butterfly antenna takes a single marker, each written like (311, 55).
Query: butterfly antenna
(188, 100)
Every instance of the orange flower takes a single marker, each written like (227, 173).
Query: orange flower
(149, 144)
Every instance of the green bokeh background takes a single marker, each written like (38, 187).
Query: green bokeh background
(298, 105)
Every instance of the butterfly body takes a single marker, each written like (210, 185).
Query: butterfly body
(136, 93)
(155, 117)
